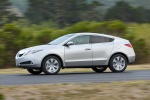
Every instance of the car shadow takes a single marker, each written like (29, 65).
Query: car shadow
(74, 73)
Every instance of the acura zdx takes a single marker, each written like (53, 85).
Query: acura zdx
(78, 50)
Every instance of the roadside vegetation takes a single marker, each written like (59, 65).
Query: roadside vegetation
(43, 23)
(19, 35)
(2, 97)
(131, 90)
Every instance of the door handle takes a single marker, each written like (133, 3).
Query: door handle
(87, 49)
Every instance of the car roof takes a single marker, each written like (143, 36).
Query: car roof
(100, 34)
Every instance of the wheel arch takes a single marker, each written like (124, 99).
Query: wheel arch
(121, 54)
(62, 65)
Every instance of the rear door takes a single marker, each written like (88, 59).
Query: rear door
(101, 49)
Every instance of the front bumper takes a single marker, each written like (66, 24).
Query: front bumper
(28, 61)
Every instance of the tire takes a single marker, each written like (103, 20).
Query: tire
(34, 71)
(51, 65)
(99, 69)
(118, 63)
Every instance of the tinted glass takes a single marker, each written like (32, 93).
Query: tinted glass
(98, 39)
(84, 39)
(109, 39)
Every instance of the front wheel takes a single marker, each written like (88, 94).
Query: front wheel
(118, 63)
(51, 65)
(99, 69)
(34, 71)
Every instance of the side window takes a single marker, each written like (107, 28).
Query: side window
(84, 39)
(98, 39)
(109, 39)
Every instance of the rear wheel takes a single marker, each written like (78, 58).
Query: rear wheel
(51, 65)
(118, 63)
(99, 69)
(34, 71)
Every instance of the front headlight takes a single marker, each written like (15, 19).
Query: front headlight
(32, 52)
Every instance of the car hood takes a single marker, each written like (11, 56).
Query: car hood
(40, 47)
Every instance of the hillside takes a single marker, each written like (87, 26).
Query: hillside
(109, 3)
(23, 4)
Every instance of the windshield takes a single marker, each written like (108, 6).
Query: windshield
(60, 39)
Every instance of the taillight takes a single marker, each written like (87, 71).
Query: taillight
(128, 45)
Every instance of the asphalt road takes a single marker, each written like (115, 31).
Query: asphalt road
(87, 77)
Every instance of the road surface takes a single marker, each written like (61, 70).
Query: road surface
(85, 77)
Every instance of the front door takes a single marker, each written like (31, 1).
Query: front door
(80, 53)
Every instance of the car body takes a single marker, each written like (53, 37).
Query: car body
(78, 50)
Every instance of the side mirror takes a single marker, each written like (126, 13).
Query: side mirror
(69, 43)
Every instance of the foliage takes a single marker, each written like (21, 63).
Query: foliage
(5, 15)
(21, 4)
(2, 97)
(125, 12)
(14, 37)
(62, 12)
(115, 27)
(44, 36)
(137, 44)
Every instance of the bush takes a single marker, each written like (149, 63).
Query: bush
(8, 36)
(110, 27)
(2, 97)
(43, 37)
(98, 27)
(117, 27)
(79, 27)
(14, 37)
(141, 54)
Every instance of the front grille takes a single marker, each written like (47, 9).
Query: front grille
(26, 62)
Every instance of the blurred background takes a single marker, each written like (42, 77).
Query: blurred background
(25, 23)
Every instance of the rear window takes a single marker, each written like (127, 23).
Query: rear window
(109, 39)
(98, 39)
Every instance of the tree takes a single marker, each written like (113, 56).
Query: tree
(142, 15)
(5, 15)
(62, 12)
(123, 11)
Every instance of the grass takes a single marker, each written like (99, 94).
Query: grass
(132, 90)
(24, 71)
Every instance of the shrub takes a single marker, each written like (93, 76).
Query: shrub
(2, 97)
(14, 37)
(117, 27)
(110, 27)
(44, 36)
(79, 27)
(141, 54)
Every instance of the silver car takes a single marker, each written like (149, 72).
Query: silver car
(79, 50)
